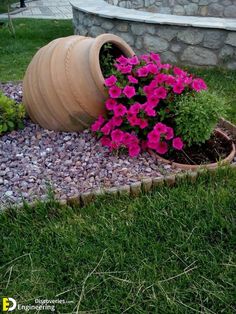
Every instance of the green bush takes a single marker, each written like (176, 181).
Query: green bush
(11, 115)
(197, 116)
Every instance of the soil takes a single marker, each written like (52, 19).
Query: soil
(215, 149)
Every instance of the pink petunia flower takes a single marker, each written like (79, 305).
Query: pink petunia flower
(150, 111)
(145, 58)
(133, 120)
(161, 92)
(132, 79)
(122, 60)
(97, 124)
(177, 143)
(162, 148)
(129, 91)
(155, 57)
(143, 123)
(169, 133)
(125, 69)
(106, 129)
(179, 72)
(160, 78)
(148, 90)
(153, 136)
(115, 91)
(116, 121)
(110, 104)
(134, 150)
(170, 80)
(153, 100)
(198, 85)
(110, 81)
(105, 141)
(160, 128)
(117, 135)
(152, 68)
(142, 72)
(120, 110)
(178, 87)
(135, 108)
(134, 60)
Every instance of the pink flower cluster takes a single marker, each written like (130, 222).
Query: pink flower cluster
(141, 103)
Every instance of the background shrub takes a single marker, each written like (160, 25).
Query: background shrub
(11, 114)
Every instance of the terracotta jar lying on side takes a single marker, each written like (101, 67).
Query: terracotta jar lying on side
(63, 88)
(227, 160)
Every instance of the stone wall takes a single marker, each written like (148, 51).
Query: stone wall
(216, 8)
(192, 46)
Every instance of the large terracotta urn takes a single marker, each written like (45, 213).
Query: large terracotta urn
(63, 88)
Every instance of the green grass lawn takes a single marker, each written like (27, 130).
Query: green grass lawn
(172, 251)
(4, 3)
(31, 35)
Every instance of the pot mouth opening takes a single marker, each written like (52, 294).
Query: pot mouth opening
(108, 53)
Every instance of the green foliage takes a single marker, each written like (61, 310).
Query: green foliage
(106, 59)
(11, 114)
(197, 116)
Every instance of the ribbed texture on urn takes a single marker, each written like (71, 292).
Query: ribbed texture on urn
(63, 88)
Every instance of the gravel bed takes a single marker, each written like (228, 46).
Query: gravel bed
(34, 158)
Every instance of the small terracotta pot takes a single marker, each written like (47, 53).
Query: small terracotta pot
(63, 88)
(228, 159)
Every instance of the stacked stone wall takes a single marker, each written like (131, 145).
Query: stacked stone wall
(214, 8)
(184, 45)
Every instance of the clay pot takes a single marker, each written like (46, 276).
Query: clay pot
(227, 160)
(63, 88)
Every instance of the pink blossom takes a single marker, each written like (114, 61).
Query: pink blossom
(153, 136)
(178, 87)
(155, 57)
(152, 68)
(105, 141)
(169, 133)
(166, 66)
(145, 58)
(148, 90)
(117, 135)
(106, 129)
(160, 78)
(134, 150)
(142, 72)
(110, 104)
(161, 92)
(129, 91)
(135, 108)
(162, 148)
(179, 72)
(177, 143)
(143, 123)
(125, 69)
(132, 79)
(133, 120)
(116, 121)
(160, 128)
(97, 124)
(120, 110)
(150, 111)
(198, 85)
(110, 81)
(153, 100)
(187, 80)
(122, 60)
(115, 91)
(170, 80)
(133, 61)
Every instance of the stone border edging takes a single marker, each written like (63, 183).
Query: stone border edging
(145, 185)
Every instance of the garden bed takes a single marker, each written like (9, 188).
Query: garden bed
(33, 159)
